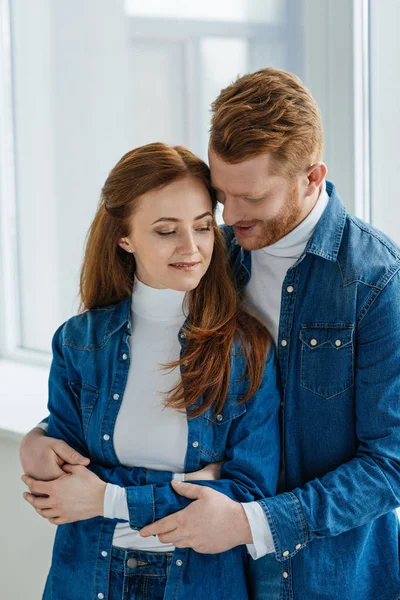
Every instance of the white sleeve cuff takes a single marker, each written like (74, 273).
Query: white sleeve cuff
(115, 502)
(42, 426)
(260, 530)
(179, 476)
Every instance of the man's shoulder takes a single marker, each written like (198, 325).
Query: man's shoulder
(366, 254)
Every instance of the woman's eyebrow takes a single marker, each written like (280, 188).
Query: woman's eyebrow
(178, 220)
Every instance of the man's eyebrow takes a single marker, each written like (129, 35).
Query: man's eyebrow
(174, 220)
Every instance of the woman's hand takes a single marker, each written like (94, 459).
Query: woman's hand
(211, 472)
(75, 496)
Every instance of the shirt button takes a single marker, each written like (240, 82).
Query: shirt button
(314, 342)
(195, 444)
(338, 343)
(106, 437)
(297, 547)
(286, 553)
(124, 356)
(290, 289)
(220, 418)
(179, 563)
(182, 335)
(104, 553)
(285, 574)
(284, 343)
(116, 396)
(100, 596)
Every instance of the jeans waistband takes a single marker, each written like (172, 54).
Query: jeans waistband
(141, 563)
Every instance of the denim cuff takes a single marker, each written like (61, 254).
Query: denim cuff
(141, 506)
(288, 525)
(158, 476)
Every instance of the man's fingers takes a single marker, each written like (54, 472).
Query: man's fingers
(68, 454)
(165, 525)
(35, 486)
(173, 537)
(189, 490)
(37, 502)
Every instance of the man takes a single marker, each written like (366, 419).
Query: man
(328, 287)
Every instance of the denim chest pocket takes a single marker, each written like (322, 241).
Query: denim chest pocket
(327, 359)
(86, 397)
(216, 427)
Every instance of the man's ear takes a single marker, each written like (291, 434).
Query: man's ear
(315, 175)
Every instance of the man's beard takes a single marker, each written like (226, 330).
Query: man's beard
(269, 232)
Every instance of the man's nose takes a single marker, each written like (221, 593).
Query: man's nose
(230, 212)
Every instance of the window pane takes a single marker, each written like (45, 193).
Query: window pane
(263, 11)
(385, 119)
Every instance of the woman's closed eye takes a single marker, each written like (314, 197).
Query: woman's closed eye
(198, 229)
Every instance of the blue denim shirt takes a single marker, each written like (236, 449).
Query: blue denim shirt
(334, 526)
(91, 356)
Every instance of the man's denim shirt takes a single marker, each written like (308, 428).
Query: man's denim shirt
(91, 355)
(335, 528)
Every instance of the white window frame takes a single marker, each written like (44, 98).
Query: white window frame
(323, 70)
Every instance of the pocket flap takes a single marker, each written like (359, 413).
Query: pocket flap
(337, 336)
(230, 411)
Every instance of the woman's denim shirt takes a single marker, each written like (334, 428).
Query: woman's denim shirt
(91, 357)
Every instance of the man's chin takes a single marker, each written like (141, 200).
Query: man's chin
(250, 243)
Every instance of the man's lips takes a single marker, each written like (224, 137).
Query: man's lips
(243, 230)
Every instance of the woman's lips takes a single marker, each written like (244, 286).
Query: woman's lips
(188, 267)
(243, 230)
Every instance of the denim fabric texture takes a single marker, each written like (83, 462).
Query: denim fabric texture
(137, 575)
(91, 356)
(334, 525)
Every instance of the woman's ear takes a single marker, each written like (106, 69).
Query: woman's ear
(126, 245)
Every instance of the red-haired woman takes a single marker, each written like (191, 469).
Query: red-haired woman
(162, 373)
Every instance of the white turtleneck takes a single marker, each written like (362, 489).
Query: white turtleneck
(146, 433)
(270, 265)
(263, 298)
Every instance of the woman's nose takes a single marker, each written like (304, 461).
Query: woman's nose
(188, 245)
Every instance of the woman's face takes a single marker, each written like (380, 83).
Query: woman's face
(172, 236)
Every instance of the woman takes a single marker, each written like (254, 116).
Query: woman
(163, 373)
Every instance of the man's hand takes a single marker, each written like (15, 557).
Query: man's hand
(77, 495)
(212, 523)
(211, 472)
(42, 457)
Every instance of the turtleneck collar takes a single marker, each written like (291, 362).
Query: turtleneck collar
(156, 304)
(293, 244)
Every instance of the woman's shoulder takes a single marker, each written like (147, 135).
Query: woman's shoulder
(91, 329)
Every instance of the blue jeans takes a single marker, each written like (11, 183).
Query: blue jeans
(138, 575)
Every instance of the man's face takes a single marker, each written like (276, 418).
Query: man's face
(261, 206)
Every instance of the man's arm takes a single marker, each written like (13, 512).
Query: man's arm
(252, 460)
(338, 501)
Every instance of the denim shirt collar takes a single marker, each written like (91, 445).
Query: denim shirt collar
(325, 241)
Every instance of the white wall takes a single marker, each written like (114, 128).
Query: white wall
(27, 539)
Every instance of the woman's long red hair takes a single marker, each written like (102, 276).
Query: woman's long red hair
(215, 319)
